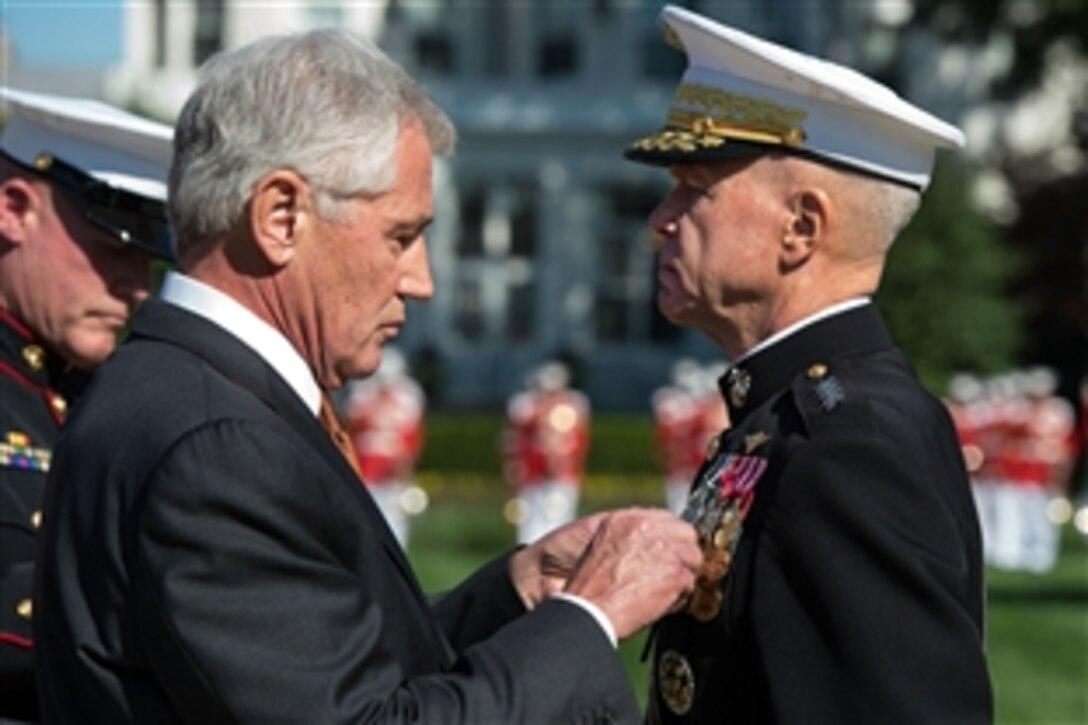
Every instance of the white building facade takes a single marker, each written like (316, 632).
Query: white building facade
(540, 246)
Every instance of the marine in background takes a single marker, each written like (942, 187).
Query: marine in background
(688, 415)
(385, 416)
(545, 444)
(1019, 442)
(81, 217)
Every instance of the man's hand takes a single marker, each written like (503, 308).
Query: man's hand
(639, 565)
(634, 565)
(543, 567)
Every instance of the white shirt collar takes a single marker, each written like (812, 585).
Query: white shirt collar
(802, 323)
(219, 308)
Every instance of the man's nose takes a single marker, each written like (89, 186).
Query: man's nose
(417, 281)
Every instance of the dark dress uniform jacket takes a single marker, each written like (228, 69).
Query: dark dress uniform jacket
(208, 556)
(856, 593)
(31, 410)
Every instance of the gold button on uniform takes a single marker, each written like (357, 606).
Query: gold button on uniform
(34, 356)
(676, 682)
(36, 519)
(25, 609)
(817, 371)
(740, 383)
(712, 446)
(59, 404)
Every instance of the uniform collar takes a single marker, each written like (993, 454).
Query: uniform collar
(770, 368)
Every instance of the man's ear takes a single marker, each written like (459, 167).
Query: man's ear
(810, 211)
(18, 201)
(279, 210)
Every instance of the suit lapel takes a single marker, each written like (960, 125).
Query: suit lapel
(236, 361)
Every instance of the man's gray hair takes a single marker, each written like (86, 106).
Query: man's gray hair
(892, 206)
(326, 104)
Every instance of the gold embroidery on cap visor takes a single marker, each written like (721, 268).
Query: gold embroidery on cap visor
(703, 117)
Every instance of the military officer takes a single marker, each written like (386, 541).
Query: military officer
(843, 580)
(81, 216)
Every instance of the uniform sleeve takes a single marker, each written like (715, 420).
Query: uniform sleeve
(256, 618)
(865, 582)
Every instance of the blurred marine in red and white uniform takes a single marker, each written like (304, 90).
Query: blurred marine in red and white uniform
(384, 415)
(688, 414)
(544, 447)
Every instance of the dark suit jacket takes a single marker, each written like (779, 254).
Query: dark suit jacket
(209, 557)
(856, 595)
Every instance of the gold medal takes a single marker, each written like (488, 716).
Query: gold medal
(675, 682)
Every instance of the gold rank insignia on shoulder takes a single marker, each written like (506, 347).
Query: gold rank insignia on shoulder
(676, 682)
(755, 440)
(827, 388)
(16, 452)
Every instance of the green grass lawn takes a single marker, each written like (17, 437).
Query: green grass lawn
(1037, 625)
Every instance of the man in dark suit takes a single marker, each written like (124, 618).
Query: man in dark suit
(844, 579)
(208, 554)
(82, 192)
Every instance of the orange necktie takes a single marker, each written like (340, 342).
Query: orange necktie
(330, 421)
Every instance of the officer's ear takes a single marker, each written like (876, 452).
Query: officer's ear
(279, 210)
(18, 203)
(807, 224)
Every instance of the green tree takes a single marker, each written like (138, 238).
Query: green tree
(943, 289)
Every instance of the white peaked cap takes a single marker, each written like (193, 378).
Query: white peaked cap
(741, 95)
(124, 150)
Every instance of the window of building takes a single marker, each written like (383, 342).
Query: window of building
(208, 38)
(433, 50)
(624, 306)
(159, 24)
(495, 289)
(558, 55)
(555, 26)
(432, 43)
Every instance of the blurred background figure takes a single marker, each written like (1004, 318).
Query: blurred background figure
(1080, 512)
(1046, 452)
(688, 414)
(966, 402)
(545, 444)
(384, 416)
(1020, 442)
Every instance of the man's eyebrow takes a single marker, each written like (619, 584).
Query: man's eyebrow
(415, 225)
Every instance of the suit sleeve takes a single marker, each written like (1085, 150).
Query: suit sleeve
(866, 534)
(255, 617)
(478, 606)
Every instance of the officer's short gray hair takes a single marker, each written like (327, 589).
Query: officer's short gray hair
(325, 104)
